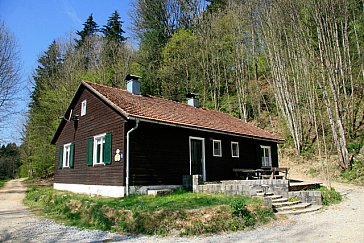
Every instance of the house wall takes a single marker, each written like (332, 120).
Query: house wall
(160, 154)
(100, 118)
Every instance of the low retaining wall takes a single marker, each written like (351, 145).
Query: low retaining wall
(240, 187)
(313, 197)
(250, 188)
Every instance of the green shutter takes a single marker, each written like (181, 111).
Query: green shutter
(60, 157)
(72, 154)
(90, 145)
(107, 149)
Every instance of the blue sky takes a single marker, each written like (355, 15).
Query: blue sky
(36, 23)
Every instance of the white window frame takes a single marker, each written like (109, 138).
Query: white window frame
(66, 155)
(213, 148)
(83, 107)
(232, 149)
(266, 163)
(97, 139)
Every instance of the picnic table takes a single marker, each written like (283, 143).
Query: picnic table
(263, 173)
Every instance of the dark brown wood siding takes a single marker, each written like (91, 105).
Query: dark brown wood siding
(160, 154)
(100, 118)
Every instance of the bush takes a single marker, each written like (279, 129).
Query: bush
(355, 174)
(330, 196)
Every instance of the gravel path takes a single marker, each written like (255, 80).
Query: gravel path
(17, 224)
(339, 223)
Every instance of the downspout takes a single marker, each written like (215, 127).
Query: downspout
(127, 156)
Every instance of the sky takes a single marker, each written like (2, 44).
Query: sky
(35, 24)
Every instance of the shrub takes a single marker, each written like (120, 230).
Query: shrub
(240, 210)
(330, 196)
(356, 173)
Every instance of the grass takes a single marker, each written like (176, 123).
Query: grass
(2, 183)
(355, 175)
(182, 213)
(329, 196)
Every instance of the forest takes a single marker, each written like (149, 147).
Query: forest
(294, 68)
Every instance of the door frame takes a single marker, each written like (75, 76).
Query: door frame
(203, 155)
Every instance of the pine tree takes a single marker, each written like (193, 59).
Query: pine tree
(49, 66)
(113, 29)
(90, 28)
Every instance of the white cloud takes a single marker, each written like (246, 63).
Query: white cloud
(71, 12)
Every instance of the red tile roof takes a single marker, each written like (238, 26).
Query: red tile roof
(171, 112)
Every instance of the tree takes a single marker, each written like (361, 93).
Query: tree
(9, 161)
(179, 68)
(90, 28)
(154, 23)
(9, 72)
(216, 5)
(113, 29)
(48, 67)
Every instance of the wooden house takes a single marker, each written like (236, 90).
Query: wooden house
(113, 142)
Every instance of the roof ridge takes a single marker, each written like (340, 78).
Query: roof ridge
(152, 96)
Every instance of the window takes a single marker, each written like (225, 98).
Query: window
(99, 150)
(83, 107)
(66, 154)
(99, 146)
(235, 149)
(266, 156)
(217, 148)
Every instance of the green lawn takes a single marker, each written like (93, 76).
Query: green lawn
(184, 212)
(2, 183)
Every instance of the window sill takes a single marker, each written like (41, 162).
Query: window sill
(98, 165)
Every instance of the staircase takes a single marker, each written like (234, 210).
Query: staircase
(282, 205)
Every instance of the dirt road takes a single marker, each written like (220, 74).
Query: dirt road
(339, 223)
(18, 224)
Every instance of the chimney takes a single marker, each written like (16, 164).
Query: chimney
(133, 84)
(192, 100)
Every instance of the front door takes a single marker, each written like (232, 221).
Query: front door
(197, 157)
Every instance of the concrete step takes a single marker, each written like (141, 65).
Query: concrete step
(159, 192)
(294, 207)
(310, 209)
(265, 194)
(273, 197)
(279, 199)
(284, 203)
